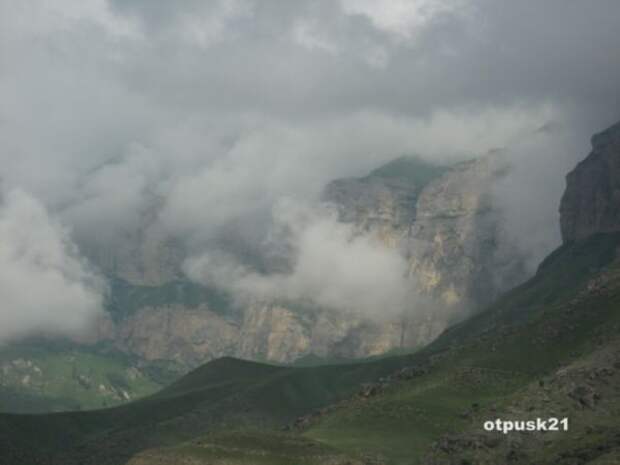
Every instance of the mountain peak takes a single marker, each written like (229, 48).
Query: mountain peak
(411, 168)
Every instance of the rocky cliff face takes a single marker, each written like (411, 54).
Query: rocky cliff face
(444, 223)
(263, 331)
(459, 251)
(441, 219)
(591, 202)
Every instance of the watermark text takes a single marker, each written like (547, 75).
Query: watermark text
(539, 424)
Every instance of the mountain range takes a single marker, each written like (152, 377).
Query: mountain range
(546, 348)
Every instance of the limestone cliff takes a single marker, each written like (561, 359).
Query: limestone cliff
(458, 249)
(591, 202)
(277, 332)
(441, 219)
(444, 223)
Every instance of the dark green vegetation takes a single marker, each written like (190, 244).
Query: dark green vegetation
(548, 348)
(124, 298)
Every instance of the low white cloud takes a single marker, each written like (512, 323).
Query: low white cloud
(402, 18)
(45, 288)
(273, 159)
(530, 195)
(331, 267)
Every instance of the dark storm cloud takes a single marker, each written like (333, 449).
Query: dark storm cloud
(308, 58)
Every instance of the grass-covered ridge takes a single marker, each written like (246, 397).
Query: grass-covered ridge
(412, 169)
(55, 376)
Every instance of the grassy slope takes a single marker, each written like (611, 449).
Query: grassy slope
(43, 376)
(227, 393)
(483, 364)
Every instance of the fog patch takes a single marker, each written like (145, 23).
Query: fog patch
(330, 266)
(45, 287)
(529, 195)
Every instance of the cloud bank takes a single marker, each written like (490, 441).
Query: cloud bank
(331, 267)
(45, 288)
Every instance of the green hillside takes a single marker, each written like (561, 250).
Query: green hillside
(547, 348)
(44, 376)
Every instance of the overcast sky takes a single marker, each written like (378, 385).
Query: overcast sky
(220, 108)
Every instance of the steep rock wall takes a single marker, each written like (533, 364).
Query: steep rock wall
(591, 202)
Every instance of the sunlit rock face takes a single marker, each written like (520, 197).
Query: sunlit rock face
(591, 201)
(459, 250)
(444, 223)
(440, 219)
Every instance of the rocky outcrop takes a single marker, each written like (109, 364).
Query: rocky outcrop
(591, 202)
